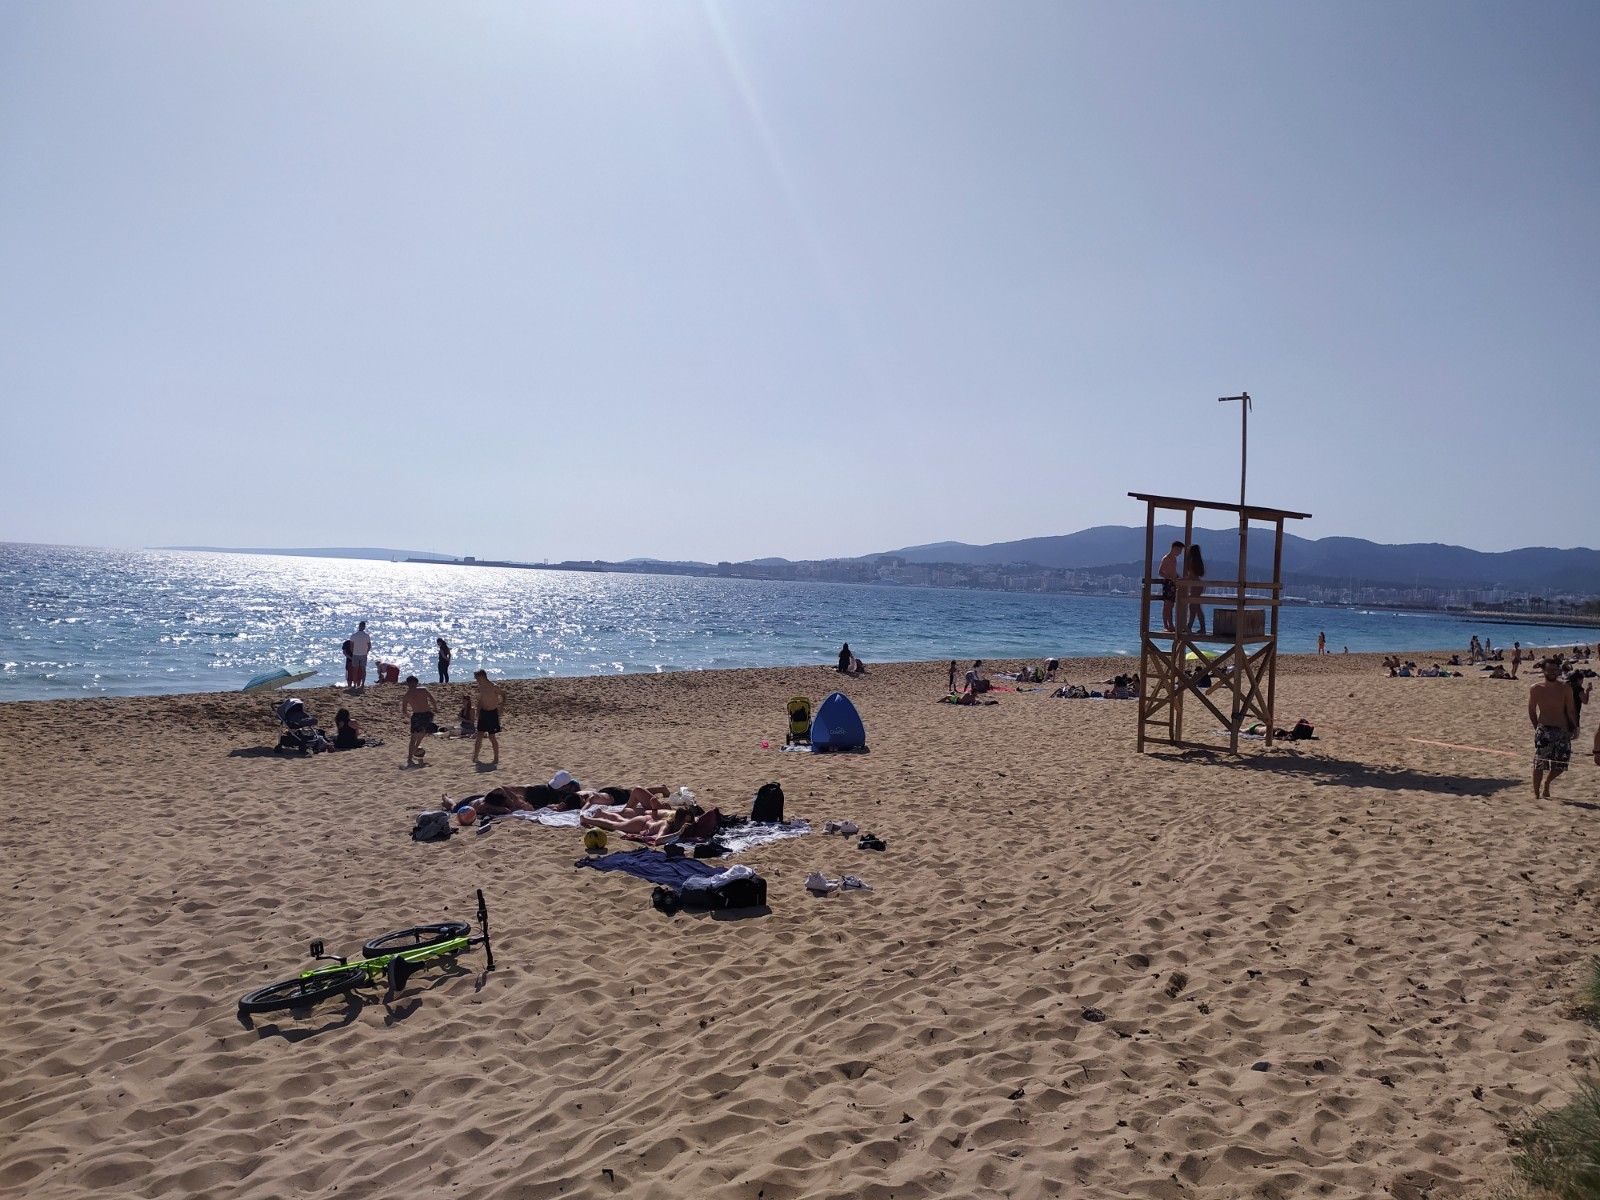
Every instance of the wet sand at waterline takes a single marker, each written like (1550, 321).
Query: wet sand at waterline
(1339, 968)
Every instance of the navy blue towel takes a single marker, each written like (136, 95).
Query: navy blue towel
(650, 864)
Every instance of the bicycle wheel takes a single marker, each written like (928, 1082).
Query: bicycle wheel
(294, 993)
(418, 937)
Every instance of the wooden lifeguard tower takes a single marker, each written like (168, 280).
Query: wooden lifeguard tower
(1231, 671)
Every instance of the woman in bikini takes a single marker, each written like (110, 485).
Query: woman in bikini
(1193, 589)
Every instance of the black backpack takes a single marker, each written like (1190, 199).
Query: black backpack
(768, 807)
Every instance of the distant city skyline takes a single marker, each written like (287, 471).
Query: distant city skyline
(712, 281)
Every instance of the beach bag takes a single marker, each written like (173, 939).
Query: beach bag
(768, 806)
(1302, 730)
(749, 892)
(433, 827)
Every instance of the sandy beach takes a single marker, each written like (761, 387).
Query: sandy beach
(1340, 968)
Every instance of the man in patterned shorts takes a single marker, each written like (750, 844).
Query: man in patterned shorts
(1554, 722)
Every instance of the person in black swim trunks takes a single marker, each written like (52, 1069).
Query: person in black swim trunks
(490, 698)
(418, 702)
(1169, 570)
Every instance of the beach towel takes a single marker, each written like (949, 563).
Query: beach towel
(739, 838)
(651, 865)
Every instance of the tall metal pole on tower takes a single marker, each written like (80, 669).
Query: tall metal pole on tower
(1244, 435)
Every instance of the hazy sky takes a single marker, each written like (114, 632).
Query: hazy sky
(720, 280)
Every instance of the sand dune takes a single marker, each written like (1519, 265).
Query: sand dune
(1337, 969)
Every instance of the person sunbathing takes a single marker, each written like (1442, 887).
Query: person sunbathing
(646, 826)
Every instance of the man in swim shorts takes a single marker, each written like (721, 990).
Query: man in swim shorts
(1554, 722)
(360, 647)
(1168, 570)
(418, 702)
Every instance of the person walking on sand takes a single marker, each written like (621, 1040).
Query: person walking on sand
(360, 647)
(1554, 722)
(1169, 571)
(1516, 658)
(490, 698)
(444, 660)
(417, 703)
(1193, 589)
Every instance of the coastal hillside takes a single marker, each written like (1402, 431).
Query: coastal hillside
(1335, 558)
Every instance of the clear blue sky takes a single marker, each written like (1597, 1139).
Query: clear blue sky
(721, 280)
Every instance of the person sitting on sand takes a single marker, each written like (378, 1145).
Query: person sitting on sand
(468, 717)
(844, 659)
(418, 703)
(347, 734)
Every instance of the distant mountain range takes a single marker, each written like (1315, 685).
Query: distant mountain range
(1332, 559)
(1119, 550)
(321, 552)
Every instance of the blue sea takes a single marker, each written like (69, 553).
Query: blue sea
(76, 621)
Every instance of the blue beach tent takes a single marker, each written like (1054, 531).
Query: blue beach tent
(837, 726)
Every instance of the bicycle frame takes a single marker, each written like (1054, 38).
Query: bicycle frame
(377, 966)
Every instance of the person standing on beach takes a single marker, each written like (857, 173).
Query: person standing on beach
(444, 660)
(1516, 658)
(952, 675)
(1168, 570)
(1580, 697)
(1322, 643)
(418, 704)
(490, 698)
(360, 647)
(349, 665)
(1554, 722)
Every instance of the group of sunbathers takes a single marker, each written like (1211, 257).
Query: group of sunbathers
(1408, 669)
(644, 813)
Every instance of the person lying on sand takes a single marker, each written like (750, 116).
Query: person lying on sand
(646, 826)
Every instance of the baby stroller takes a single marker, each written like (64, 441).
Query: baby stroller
(300, 733)
(799, 722)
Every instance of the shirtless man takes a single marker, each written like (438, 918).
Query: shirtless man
(1168, 570)
(1554, 722)
(1516, 658)
(418, 702)
(490, 698)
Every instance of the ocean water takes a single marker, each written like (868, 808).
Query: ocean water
(77, 621)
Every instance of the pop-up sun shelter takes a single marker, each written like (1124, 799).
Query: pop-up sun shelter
(837, 726)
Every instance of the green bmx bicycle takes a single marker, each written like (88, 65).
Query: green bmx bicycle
(394, 956)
